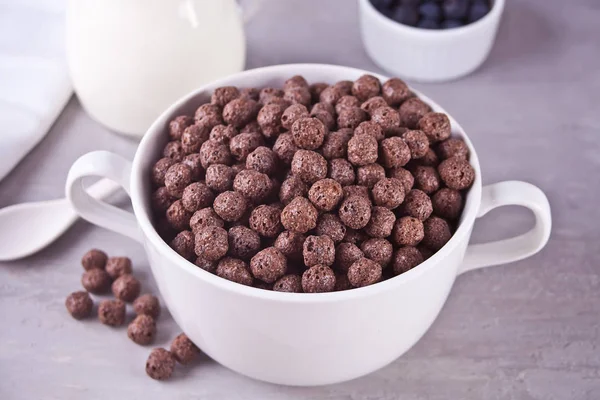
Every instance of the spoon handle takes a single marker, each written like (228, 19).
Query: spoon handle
(103, 188)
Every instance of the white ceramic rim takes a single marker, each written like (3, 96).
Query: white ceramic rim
(494, 13)
(473, 200)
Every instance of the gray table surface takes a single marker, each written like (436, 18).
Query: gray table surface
(530, 330)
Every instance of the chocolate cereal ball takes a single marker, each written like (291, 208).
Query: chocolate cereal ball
(183, 349)
(411, 111)
(437, 233)
(268, 265)
(406, 258)
(178, 125)
(325, 194)
(210, 266)
(234, 270)
(183, 244)
(161, 200)
(351, 117)
(299, 215)
(142, 330)
(342, 282)
(394, 152)
(207, 110)
(289, 283)
(425, 251)
(357, 190)
(417, 204)
(269, 120)
(111, 312)
(453, 147)
(330, 225)
(309, 166)
(369, 175)
(178, 216)
(378, 250)
(205, 217)
(436, 126)
(297, 95)
(355, 236)
(370, 128)
(94, 259)
(265, 220)
(159, 170)
(387, 118)
(251, 93)
(230, 206)
(457, 173)
(426, 179)
(243, 242)
(267, 94)
(404, 176)
(285, 148)
(408, 231)
(362, 150)
(213, 152)
(96, 281)
(295, 81)
(194, 162)
(430, 159)
(341, 171)
(219, 177)
(197, 196)
(160, 364)
(211, 243)
(345, 255)
(178, 176)
(79, 305)
(126, 288)
(346, 102)
(148, 305)
(336, 144)
(117, 266)
(373, 103)
(292, 114)
(364, 272)
(355, 212)
(318, 250)
(291, 188)
(262, 159)
(245, 143)
(447, 203)
(308, 133)
(381, 223)
(174, 151)
(417, 142)
(395, 91)
(331, 95)
(224, 95)
(222, 133)
(290, 244)
(388, 192)
(322, 107)
(365, 87)
(316, 89)
(193, 137)
(326, 118)
(238, 112)
(344, 86)
(318, 279)
(254, 185)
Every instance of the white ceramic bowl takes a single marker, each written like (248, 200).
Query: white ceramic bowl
(295, 338)
(427, 55)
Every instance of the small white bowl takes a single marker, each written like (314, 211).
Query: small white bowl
(428, 55)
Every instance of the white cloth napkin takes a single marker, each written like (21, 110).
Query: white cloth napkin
(34, 81)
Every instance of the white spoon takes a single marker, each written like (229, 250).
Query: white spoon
(29, 227)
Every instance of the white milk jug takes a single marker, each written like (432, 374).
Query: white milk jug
(130, 59)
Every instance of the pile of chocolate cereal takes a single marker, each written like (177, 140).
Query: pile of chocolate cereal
(310, 188)
(104, 274)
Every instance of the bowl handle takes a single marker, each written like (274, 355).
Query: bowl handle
(519, 247)
(107, 165)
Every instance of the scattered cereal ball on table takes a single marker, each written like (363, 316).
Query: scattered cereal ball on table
(254, 185)
(178, 125)
(79, 305)
(197, 196)
(364, 272)
(289, 283)
(351, 117)
(193, 137)
(388, 192)
(417, 204)
(381, 223)
(453, 147)
(308, 133)
(318, 279)
(268, 265)
(266, 220)
(117, 266)
(330, 225)
(404, 176)
(447, 203)
(147, 304)
(437, 233)
(290, 244)
(230, 206)
(378, 250)
(408, 231)
(406, 258)
(174, 151)
(325, 194)
(373, 104)
(224, 95)
(365, 87)
(394, 152)
(309, 166)
(243, 242)
(411, 111)
(417, 142)
(142, 330)
(362, 150)
(183, 349)
(126, 288)
(355, 212)
(159, 170)
(160, 364)
(96, 281)
(211, 243)
(427, 179)
(178, 216)
(94, 259)
(456, 173)
(245, 143)
(183, 244)
(369, 175)
(436, 126)
(205, 217)
(269, 120)
(213, 152)
(161, 200)
(234, 270)
(207, 265)
(395, 92)
(345, 255)
(318, 250)
(112, 312)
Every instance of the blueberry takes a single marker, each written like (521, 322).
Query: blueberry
(406, 15)
(451, 23)
(428, 24)
(479, 9)
(430, 10)
(456, 9)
